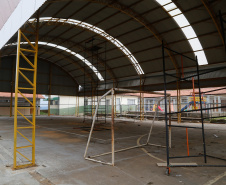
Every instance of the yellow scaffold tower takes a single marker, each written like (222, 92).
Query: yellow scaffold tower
(25, 82)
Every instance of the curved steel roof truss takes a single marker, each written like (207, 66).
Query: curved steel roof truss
(68, 44)
(214, 18)
(68, 51)
(98, 31)
(71, 61)
(139, 18)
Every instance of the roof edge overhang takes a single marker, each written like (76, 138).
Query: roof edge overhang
(18, 17)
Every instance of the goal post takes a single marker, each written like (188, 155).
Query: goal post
(112, 92)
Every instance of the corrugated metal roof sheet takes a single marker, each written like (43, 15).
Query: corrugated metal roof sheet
(138, 25)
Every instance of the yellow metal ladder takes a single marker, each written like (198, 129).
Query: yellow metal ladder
(28, 75)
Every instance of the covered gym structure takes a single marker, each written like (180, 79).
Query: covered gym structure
(93, 48)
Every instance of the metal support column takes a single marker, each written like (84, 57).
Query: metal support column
(27, 84)
(166, 118)
(11, 97)
(170, 118)
(178, 102)
(114, 101)
(93, 101)
(77, 106)
(112, 127)
(49, 101)
(222, 22)
(141, 98)
(193, 86)
(11, 104)
(200, 101)
(50, 88)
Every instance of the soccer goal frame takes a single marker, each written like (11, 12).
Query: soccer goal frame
(113, 151)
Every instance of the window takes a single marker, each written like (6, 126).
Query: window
(148, 104)
(130, 101)
(117, 101)
(86, 102)
(4, 101)
(107, 102)
(184, 100)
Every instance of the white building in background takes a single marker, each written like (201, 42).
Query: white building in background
(5, 102)
(130, 102)
(65, 105)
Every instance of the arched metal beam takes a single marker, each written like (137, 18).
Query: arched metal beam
(139, 18)
(66, 58)
(71, 61)
(93, 29)
(72, 45)
(214, 18)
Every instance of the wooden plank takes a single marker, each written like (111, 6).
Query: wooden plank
(185, 164)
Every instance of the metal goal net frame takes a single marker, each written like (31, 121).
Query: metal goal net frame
(113, 151)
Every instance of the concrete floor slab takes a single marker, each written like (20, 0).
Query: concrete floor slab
(60, 146)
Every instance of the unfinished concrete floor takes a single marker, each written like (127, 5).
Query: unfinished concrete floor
(60, 146)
